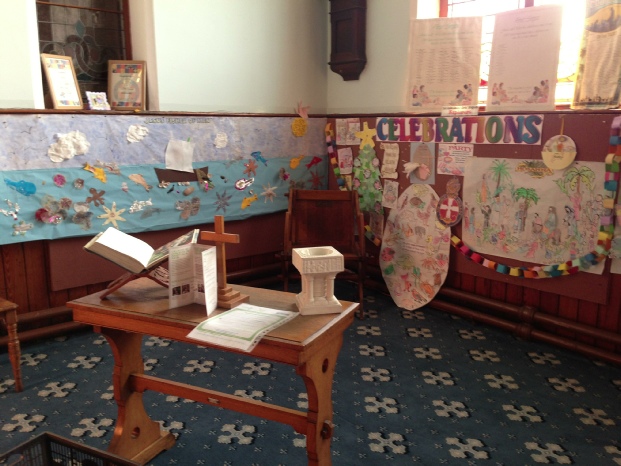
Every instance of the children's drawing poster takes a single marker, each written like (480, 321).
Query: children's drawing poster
(445, 57)
(518, 39)
(523, 210)
(346, 129)
(598, 80)
(415, 249)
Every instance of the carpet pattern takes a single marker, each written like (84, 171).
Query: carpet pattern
(411, 387)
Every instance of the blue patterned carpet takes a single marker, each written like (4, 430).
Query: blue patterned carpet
(412, 387)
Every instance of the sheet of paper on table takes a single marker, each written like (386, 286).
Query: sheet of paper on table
(241, 327)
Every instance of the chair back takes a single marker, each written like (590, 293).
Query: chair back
(325, 218)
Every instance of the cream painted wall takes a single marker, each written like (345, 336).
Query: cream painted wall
(247, 56)
(382, 84)
(20, 79)
(257, 56)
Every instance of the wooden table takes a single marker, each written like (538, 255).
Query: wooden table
(8, 313)
(309, 343)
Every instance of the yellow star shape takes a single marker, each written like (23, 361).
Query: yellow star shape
(366, 135)
(112, 215)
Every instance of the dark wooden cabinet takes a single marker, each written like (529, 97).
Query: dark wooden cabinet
(348, 27)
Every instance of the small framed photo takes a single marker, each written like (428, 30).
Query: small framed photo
(62, 81)
(126, 84)
(97, 100)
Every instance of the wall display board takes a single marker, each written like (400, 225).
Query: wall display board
(65, 176)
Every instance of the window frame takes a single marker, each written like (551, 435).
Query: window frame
(125, 34)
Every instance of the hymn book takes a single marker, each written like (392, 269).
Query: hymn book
(131, 253)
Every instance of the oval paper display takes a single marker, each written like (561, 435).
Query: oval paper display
(559, 152)
(415, 249)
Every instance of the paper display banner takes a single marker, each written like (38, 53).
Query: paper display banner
(521, 209)
(445, 57)
(513, 86)
(414, 256)
(479, 129)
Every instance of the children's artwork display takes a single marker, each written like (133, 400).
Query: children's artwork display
(445, 57)
(74, 175)
(518, 39)
(598, 80)
(523, 210)
(414, 256)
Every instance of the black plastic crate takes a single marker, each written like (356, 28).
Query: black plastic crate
(49, 449)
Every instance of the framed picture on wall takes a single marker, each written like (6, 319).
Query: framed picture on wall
(126, 84)
(62, 81)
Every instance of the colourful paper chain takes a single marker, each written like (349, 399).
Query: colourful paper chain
(604, 238)
(331, 145)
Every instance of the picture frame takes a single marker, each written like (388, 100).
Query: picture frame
(62, 81)
(97, 100)
(127, 84)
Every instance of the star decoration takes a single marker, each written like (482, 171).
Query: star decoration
(112, 215)
(222, 202)
(96, 197)
(269, 192)
(366, 135)
(251, 168)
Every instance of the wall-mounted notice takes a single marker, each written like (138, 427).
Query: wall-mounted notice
(527, 35)
(598, 83)
(445, 57)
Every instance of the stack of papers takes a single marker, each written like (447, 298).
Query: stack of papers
(241, 327)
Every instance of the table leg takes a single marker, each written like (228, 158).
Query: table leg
(318, 373)
(15, 355)
(136, 436)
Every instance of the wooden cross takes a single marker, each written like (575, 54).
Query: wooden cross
(227, 297)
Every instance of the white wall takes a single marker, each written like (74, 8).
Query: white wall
(236, 56)
(257, 56)
(20, 78)
(382, 84)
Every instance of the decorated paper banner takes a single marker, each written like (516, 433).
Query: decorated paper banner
(479, 129)
(414, 256)
(523, 210)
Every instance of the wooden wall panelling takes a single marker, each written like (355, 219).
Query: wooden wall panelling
(36, 275)
(498, 291)
(531, 297)
(15, 276)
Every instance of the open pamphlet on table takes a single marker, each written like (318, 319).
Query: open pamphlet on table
(241, 327)
(193, 277)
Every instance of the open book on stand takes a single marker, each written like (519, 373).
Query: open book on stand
(131, 253)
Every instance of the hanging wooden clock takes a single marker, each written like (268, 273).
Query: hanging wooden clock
(348, 33)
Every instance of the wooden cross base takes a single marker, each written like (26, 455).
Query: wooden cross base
(228, 298)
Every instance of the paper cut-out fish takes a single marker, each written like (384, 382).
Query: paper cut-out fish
(23, 187)
(139, 179)
(98, 172)
(295, 161)
(313, 162)
(258, 157)
(248, 200)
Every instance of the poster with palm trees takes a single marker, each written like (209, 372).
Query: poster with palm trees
(522, 209)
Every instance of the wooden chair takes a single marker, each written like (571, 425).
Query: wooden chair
(326, 218)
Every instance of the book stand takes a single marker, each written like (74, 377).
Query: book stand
(158, 274)
(227, 297)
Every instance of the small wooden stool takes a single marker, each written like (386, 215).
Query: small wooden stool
(8, 313)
